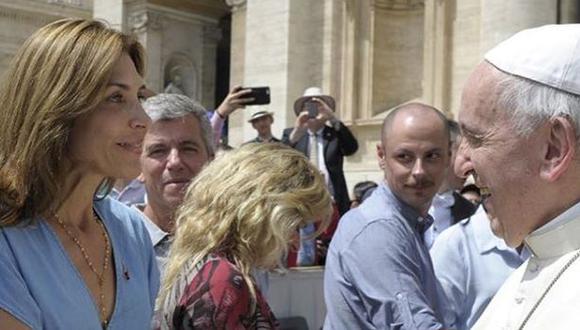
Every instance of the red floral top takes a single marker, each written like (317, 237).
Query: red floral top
(216, 297)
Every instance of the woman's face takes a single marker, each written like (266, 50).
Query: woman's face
(107, 141)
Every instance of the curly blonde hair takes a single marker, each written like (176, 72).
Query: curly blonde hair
(246, 205)
(59, 74)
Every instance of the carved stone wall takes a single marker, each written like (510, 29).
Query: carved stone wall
(19, 19)
(397, 54)
(181, 49)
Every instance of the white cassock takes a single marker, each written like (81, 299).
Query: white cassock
(554, 247)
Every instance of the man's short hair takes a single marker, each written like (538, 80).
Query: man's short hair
(173, 106)
(408, 107)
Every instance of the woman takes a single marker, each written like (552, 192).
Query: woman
(238, 214)
(71, 121)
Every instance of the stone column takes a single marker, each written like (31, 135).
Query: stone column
(282, 46)
(437, 54)
(147, 26)
(237, 61)
(500, 19)
(112, 11)
(569, 11)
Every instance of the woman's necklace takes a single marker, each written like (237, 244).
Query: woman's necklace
(100, 275)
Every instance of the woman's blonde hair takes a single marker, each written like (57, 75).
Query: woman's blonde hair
(58, 75)
(246, 206)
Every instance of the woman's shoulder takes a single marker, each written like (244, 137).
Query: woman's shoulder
(120, 217)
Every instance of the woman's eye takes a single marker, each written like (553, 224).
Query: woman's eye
(116, 98)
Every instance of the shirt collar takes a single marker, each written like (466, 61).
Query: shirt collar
(445, 199)
(155, 233)
(557, 237)
(416, 221)
(317, 133)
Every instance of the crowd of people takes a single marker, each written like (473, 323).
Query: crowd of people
(117, 211)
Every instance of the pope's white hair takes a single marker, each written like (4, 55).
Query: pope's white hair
(531, 104)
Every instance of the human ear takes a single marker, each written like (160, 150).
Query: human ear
(560, 149)
(381, 156)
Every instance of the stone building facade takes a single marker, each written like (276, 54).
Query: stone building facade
(371, 55)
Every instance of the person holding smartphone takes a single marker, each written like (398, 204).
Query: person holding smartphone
(316, 121)
(325, 140)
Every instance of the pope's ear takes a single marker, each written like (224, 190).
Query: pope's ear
(560, 148)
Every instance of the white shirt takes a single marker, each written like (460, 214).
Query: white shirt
(440, 210)
(471, 264)
(321, 161)
(552, 247)
(160, 239)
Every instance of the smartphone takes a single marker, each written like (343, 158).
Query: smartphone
(261, 95)
(312, 108)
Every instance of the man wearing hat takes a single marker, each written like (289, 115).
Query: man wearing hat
(262, 122)
(324, 139)
(520, 119)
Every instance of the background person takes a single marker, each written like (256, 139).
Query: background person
(238, 214)
(378, 273)
(471, 193)
(471, 264)
(448, 206)
(178, 144)
(361, 191)
(262, 122)
(71, 121)
(325, 140)
(133, 191)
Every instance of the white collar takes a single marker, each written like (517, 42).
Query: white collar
(318, 133)
(155, 233)
(557, 237)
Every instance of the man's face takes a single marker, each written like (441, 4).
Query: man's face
(263, 125)
(414, 156)
(503, 163)
(173, 154)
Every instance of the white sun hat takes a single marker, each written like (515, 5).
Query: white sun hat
(309, 93)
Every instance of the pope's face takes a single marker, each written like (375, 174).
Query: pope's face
(504, 163)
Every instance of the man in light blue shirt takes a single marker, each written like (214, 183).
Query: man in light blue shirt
(378, 271)
(471, 264)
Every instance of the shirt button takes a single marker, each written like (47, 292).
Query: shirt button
(399, 296)
(519, 300)
(533, 267)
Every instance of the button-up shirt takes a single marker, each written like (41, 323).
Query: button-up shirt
(552, 270)
(321, 161)
(440, 210)
(160, 239)
(378, 271)
(471, 264)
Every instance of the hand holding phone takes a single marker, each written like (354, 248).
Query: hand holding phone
(312, 108)
(261, 95)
